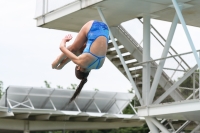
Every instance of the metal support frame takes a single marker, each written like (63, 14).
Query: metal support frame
(199, 78)
(43, 12)
(139, 64)
(120, 111)
(52, 104)
(111, 101)
(152, 127)
(182, 127)
(162, 62)
(77, 106)
(90, 102)
(97, 107)
(18, 104)
(28, 94)
(159, 125)
(170, 124)
(47, 99)
(175, 70)
(188, 67)
(174, 86)
(27, 101)
(194, 85)
(146, 71)
(133, 108)
(178, 11)
(121, 58)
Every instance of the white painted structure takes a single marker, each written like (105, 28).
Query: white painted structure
(31, 109)
(126, 54)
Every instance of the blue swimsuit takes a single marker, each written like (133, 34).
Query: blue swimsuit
(97, 29)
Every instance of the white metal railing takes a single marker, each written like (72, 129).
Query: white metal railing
(46, 6)
(195, 79)
(140, 49)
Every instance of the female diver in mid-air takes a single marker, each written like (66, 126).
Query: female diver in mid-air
(88, 51)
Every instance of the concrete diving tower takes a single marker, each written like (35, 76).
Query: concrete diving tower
(135, 61)
(46, 109)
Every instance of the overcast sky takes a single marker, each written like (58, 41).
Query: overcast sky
(27, 51)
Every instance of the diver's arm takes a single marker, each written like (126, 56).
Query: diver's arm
(59, 60)
(68, 53)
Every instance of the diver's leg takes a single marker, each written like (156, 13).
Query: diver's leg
(81, 38)
(77, 47)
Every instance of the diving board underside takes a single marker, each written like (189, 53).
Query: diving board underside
(73, 16)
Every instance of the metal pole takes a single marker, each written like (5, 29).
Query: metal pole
(152, 127)
(178, 11)
(146, 57)
(193, 85)
(199, 78)
(162, 62)
(138, 64)
(175, 85)
(43, 12)
(183, 126)
(133, 108)
(6, 96)
(159, 125)
(146, 71)
(164, 46)
(121, 59)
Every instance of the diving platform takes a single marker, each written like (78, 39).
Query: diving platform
(36, 109)
(72, 15)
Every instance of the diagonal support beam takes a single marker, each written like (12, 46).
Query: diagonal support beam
(47, 99)
(152, 127)
(178, 11)
(121, 59)
(162, 62)
(174, 86)
(195, 129)
(183, 126)
(159, 125)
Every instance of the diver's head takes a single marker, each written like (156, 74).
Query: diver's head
(81, 73)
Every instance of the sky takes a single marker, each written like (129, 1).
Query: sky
(27, 51)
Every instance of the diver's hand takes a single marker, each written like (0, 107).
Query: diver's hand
(67, 38)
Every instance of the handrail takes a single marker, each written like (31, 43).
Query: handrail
(170, 46)
(141, 50)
